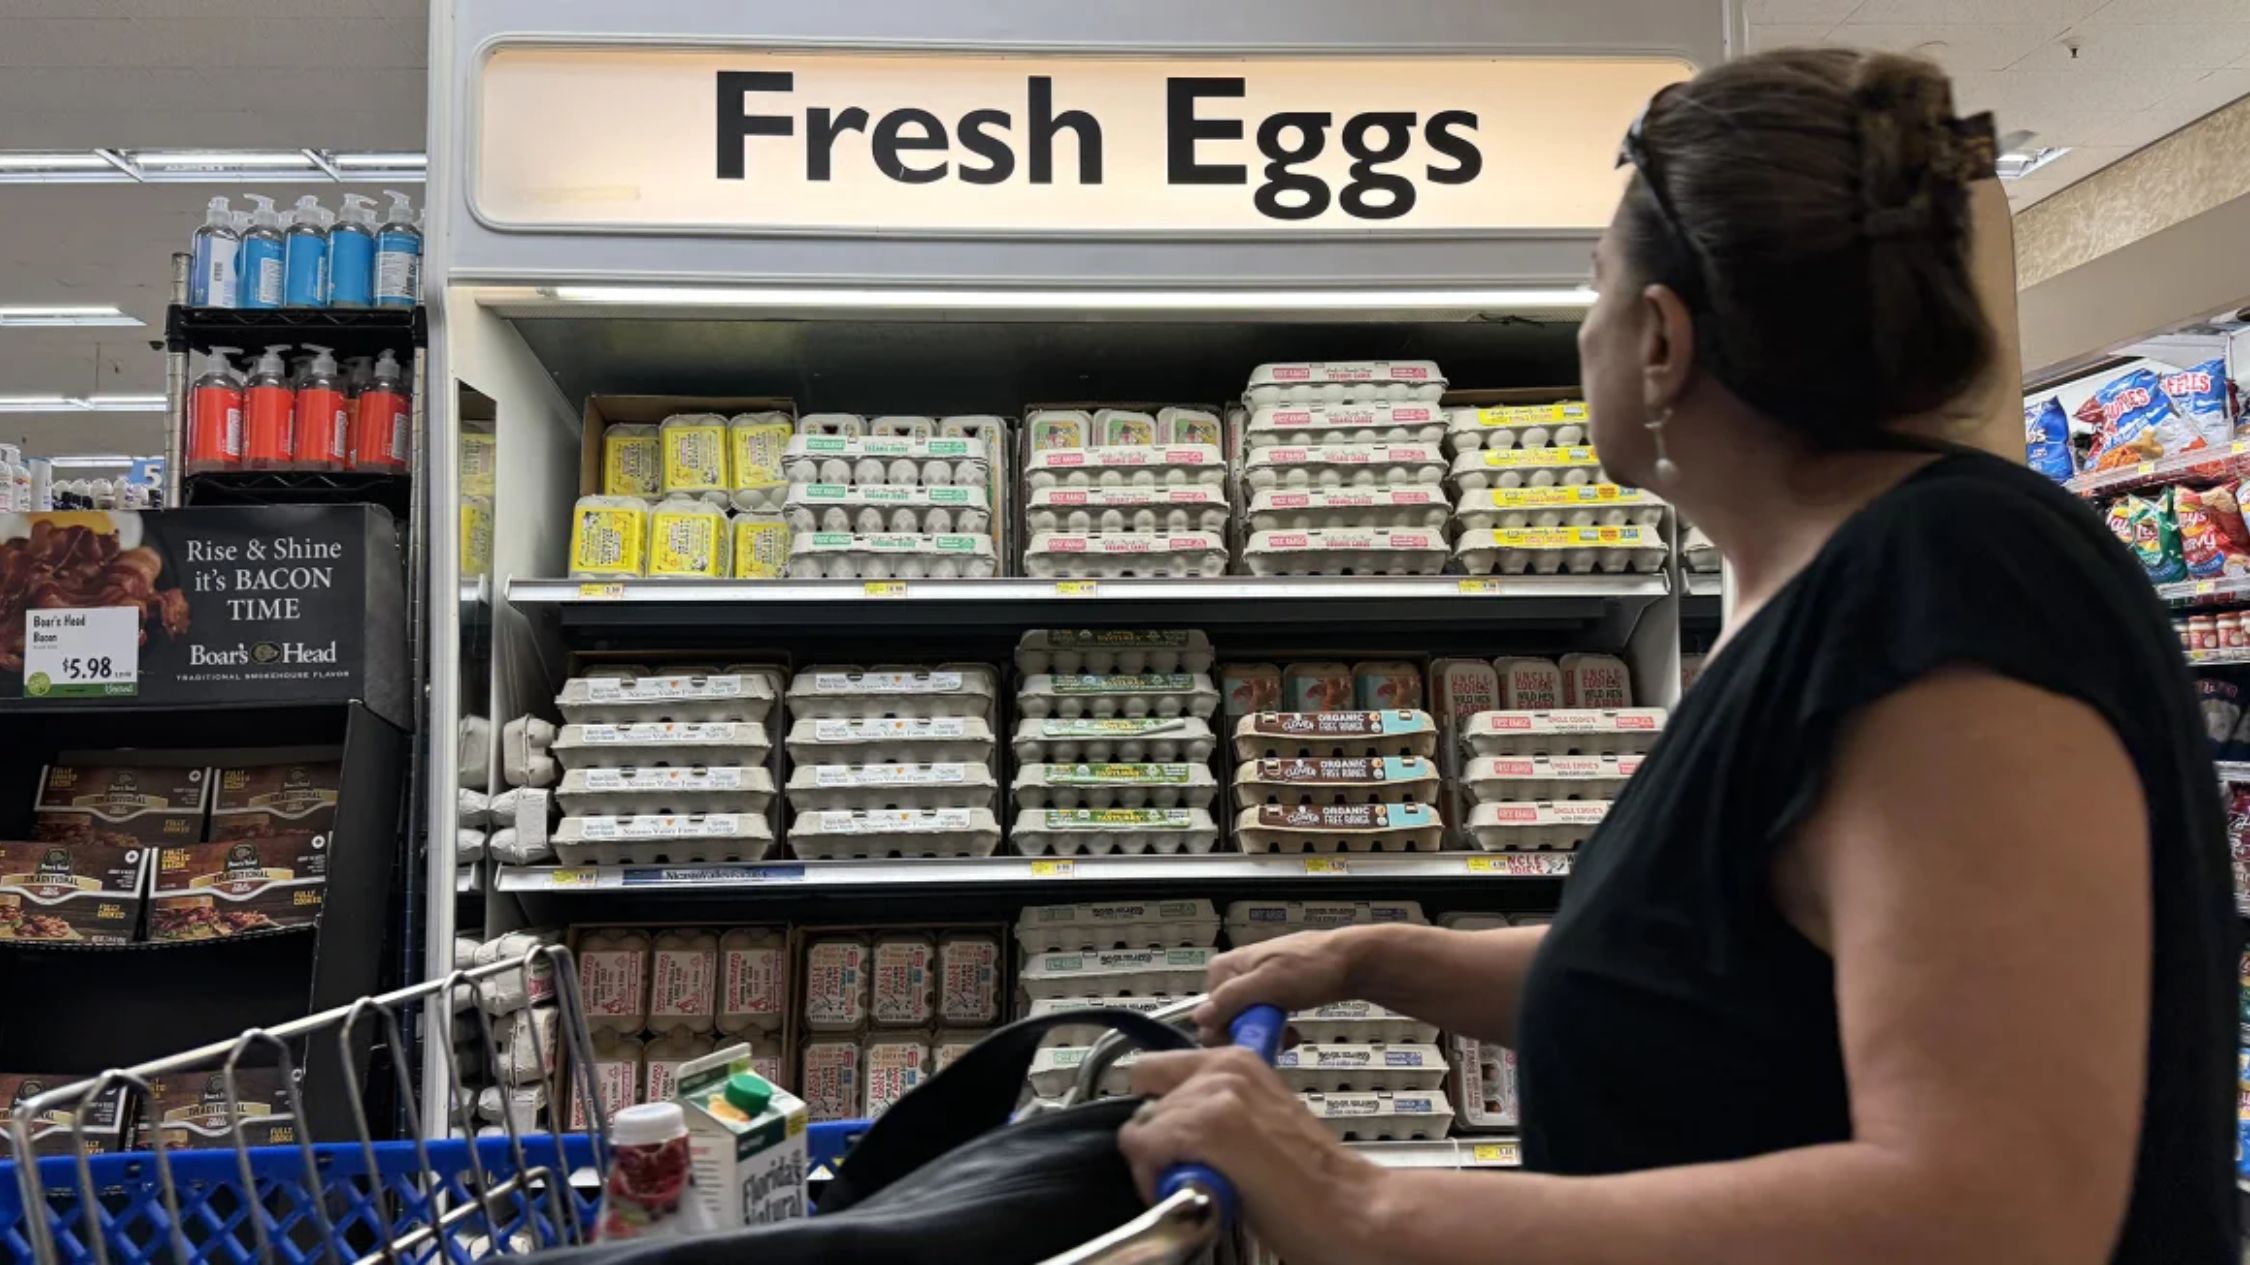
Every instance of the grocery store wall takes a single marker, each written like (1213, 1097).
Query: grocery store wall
(2189, 172)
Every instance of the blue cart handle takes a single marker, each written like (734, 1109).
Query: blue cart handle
(1258, 1028)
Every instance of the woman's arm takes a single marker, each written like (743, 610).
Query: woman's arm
(1462, 981)
(1978, 868)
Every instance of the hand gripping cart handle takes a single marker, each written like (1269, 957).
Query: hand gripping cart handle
(1195, 1204)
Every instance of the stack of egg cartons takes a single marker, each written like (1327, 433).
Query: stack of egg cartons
(1368, 1073)
(1344, 467)
(1336, 781)
(1529, 496)
(666, 493)
(1138, 955)
(1114, 742)
(669, 764)
(657, 998)
(1543, 768)
(893, 762)
(1124, 492)
(898, 497)
(1483, 1073)
(882, 1010)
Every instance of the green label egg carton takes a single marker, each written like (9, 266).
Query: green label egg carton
(1115, 785)
(1130, 738)
(1098, 831)
(1128, 694)
(1118, 924)
(1250, 921)
(1128, 650)
(875, 509)
(893, 556)
(889, 459)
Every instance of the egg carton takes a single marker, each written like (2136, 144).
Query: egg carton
(1115, 785)
(1561, 550)
(1149, 466)
(1253, 921)
(1079, 1036)
(666, 839)
(1416, 1115)
(844, 556)
(820, 787)
(1104, 694)
(666, 789)
(1336, 381)
(1054, 1071)
(1130, 738)
(624, 695)
(1343, 466)
(1698, 553)
(891, 740)
(1360, 1023)
(646, 742)
(1535, 777)
(1535, 826)
(1372, 422)
(1334, 735)
(892, 459)
(1100, 831)
(1330, 509)
(1573, 731)
(1118, 924)
(1557, 425)
(845, 424)
(1370, 1067)
(837, 834)
(1113, 650)
(990, 428)
(1577, 505)
(1348, 780)
(903, 426)
(1567, 466)
(1346, 552)
(872, 510)
(954, 689)
(1125, 555)
(1116, 972)
(1291, 828)
(1180, 509)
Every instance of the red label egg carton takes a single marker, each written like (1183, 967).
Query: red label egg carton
(1200, 507)
(1347, 552)
(1536, 777)
(1306, 509)
(1541, 826)
(1125, 555)
(1564, 732)
(1375, 421)
(1141, 466)
(1343, 465)
(1336, 381)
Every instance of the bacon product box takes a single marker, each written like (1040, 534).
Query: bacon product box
(72, 890)
(121, 804)
(190, 1110)
(253, 801)
(206, 891)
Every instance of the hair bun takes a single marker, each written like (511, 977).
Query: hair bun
(1911, 173)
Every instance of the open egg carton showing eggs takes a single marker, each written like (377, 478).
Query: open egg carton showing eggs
(894, 497)
(894, 761)
(1124, 492)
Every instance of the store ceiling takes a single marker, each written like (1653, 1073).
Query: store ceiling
(349, 74)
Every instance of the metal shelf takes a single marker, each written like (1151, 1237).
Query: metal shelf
(348, 332)
(784, 877)
(1443, 1153)
(1702, 583)
(2208, 463)
(2218, 658)
(2234, 772)
(2220, 592)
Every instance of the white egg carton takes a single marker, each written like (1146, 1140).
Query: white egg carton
(668, 839)
(643, 742)
(846, 424)
(838, 834)
(1345, 780)
(1103, 694)
(1372, 422)
(1360, 1023)
(1174, 509)
(1417, 1115)
(1369, 1067)
(1343, 466)
(1118, 924)
(827, 555)
(1293, 828)
(1336, 381)
(1252, 921)
(1115, 785)
(870, 459)
(666, 789)
(1535, 826)
(875, 509)
(1113, 650)
(1697, 551)
(1125, 555)
(954, 689)
(985, 426)
(1061, 739)
(1084, 1035)
(1570, 731)
(1150, 466)
(818, 787)
(1099, 831)
(890, 740)
(623, 695)
(903, 425)
(1555, 425)
(1525, 468)
(1334, 735)
(1054, 1070)
(1329, 509)
(1561, 550)
(1346, 552)
(1575, 505)
(1535, 777)
(1116, 972)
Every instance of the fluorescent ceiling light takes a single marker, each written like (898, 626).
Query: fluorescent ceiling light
(401, 161)
(206, 166)
(45, 317)
(51, 159)
(83, 404)
(2021, 154)
(1007, 300)
(125, 403)
(99, 461)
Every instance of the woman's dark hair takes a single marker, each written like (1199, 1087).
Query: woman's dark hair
(1812, 210)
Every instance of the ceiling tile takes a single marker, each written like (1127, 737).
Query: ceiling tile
(1775, 12)
(1970, 12)
(1786, 35)
(2198, 96)
(2154, 48)
(2170, 11)
(1967, 47)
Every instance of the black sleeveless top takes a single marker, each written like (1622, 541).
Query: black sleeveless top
(1674, 1016)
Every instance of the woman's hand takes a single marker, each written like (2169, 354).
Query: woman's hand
(1297, 972)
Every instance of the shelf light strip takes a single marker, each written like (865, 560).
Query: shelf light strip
(82, 403)
(1104, 300)
(208, 166)
(53, 317)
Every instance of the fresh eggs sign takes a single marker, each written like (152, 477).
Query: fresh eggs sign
(816, 141)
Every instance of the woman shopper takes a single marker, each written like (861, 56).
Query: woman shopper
(1910, 941)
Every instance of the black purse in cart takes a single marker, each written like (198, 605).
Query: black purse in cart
(944, 1178)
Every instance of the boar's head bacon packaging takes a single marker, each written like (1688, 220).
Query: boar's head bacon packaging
(2203, 398)
(2138, 422)
(2046, 439)
(2210, 551)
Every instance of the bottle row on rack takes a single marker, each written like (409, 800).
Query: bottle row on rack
(307, 257)
(299, 412)
(1351, 468)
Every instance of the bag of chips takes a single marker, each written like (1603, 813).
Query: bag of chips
(2204, 542)
(2147, 529)
(2203, 398)
(2137, 422)
(2046, 439)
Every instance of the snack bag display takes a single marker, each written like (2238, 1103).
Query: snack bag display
(2209, 550)
(2147, 529)
(2202, 396)
(2138, 422)
(2046, 439)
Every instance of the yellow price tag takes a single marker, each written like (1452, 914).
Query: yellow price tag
(1495, 1153)
(1479, 584)
(609, 590)
(1077, 588)
(581, 877)
(1486, 865)
(1325, 865)
(2238, 447)
(2206, 586)
(2146, 467)
(883, 588)
(1064, 868)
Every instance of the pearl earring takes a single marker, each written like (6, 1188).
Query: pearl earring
(1666, 470)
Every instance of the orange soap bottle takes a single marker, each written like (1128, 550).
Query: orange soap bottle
(269, 409)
